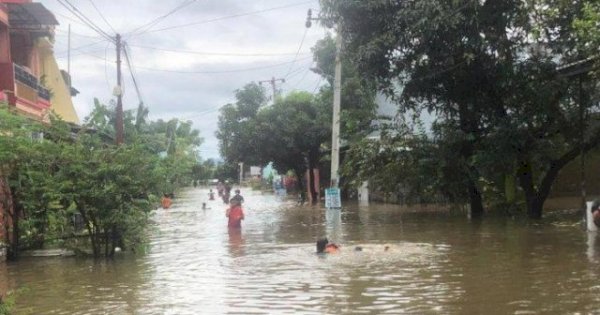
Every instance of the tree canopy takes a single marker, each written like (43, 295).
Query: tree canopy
(489, 72)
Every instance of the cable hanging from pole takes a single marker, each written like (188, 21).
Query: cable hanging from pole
(148, 26)
(230, 16)
(297, 52)
(131, 71)
(77, 13)
(102, 16)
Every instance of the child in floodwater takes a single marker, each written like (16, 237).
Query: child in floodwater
(235, 215)
(166, 201)
(211, 195)
(324, 247)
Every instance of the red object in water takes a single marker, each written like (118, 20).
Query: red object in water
(236, 215)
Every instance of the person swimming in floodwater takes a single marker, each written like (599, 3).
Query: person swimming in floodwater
(324, 247)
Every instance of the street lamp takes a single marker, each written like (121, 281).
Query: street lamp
(335, 126)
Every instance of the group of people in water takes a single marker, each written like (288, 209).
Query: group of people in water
(234, 212)
(235, 215)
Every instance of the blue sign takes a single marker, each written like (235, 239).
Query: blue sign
(333, 199)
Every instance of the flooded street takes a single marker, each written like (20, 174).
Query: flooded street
(436, 264)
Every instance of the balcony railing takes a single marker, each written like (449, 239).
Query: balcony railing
(23, 76)
(43, 93)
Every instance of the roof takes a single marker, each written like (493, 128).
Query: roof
(28, 15)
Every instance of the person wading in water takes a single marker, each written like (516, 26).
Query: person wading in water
(235, 212)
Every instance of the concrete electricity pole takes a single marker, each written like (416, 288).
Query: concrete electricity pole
(273, 83)
(119, 93)
(335, 126)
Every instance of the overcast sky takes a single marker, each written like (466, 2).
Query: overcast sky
(226, 44)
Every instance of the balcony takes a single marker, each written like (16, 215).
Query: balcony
(27, 92)
(27, 82)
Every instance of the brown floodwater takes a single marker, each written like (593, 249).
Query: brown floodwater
(437, 263)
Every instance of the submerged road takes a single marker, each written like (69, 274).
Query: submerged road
(437, 264)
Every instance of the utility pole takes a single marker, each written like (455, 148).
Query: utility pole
(273, 83)
(335, 126)
(119, 93)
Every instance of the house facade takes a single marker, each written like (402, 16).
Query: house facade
(30, 81)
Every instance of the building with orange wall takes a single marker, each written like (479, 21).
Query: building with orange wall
(30, 81)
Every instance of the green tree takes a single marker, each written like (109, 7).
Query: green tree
(235, 134)
(488, 72)
(291, 133)
(49, 173)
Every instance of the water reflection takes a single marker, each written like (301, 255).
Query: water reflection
(592, 250)
(333, 218)
(236, 243)
(436, 263)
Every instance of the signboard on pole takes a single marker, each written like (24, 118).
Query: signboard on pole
(333, 199)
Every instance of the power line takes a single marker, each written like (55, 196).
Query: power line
(84, 46)
(222, 71)
(76, 34)
(218, 53)
(69, 18)
(154, 22)
(131, 71)
(230, 16)
(204, 112)
(297, 52)
(102, 16)
(303, 76)
(77, 13)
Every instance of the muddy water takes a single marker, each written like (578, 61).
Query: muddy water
(436, 264)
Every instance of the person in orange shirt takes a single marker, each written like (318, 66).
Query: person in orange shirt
(324, 247)
(235, 215)
(166, 201)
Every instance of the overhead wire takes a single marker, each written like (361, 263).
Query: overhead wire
(77, 13)
(295, 86)
(154, 22)
(230, 16)
(297, 52)
(102, 16)
(82, 46)
(74, 33)
(69, 18)
(217, 53)
(131, 71)
(221, 71)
